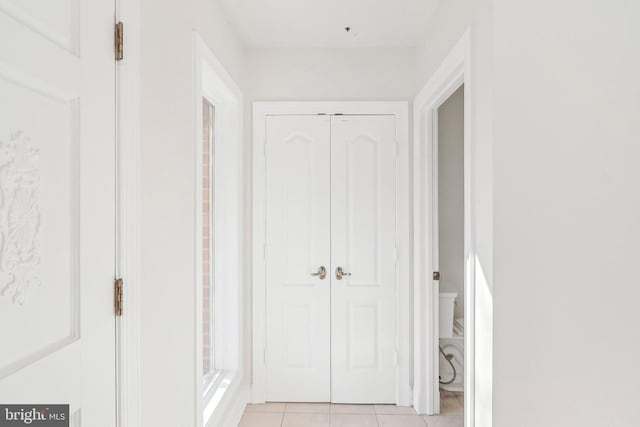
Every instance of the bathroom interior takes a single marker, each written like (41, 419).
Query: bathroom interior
(451, 256)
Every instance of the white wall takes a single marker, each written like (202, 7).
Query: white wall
(567, 213)
(331, 74)
(444, 29)
(555, 102)
(167, 199)
(451, 196)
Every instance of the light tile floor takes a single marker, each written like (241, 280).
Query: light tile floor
(451, 411)
(334, 415)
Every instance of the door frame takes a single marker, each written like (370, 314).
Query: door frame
(128, 257)
(400, 110)
(453, 72)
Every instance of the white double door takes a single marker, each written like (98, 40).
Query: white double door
(57, 216)
(331, 207)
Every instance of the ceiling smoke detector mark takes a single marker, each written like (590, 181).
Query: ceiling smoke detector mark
(349, 31)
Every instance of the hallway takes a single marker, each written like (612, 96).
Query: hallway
(423, 212)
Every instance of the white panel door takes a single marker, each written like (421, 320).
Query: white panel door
(57, 193)
(297, 236)
(363, 235)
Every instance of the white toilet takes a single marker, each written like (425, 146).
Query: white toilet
(452, 342)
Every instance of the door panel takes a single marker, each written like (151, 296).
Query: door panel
(57, 192)
(363, 230)
(298, 233)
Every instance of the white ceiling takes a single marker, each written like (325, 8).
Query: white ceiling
(321, 23)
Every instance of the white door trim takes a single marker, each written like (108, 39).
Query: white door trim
(452, 73)
(128, 215)
(260, 111)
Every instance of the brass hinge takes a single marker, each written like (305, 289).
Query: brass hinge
(119, 41)
(117, 297)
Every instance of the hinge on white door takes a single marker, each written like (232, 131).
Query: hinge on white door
(395, 148)
(117, 296)
(397, 358)
(119, 41)
(264, 251)
(395, 254)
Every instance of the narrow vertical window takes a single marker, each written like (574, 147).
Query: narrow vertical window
(208, 111)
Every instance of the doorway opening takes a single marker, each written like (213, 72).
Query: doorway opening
(448, 244)
(444, 255)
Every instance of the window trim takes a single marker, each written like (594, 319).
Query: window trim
(213, 83)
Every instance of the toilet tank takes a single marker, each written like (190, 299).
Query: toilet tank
(447, 307)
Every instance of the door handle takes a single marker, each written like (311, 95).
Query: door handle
(321, 273)
(340, 273)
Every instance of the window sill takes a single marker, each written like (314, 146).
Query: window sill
(216, 386)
